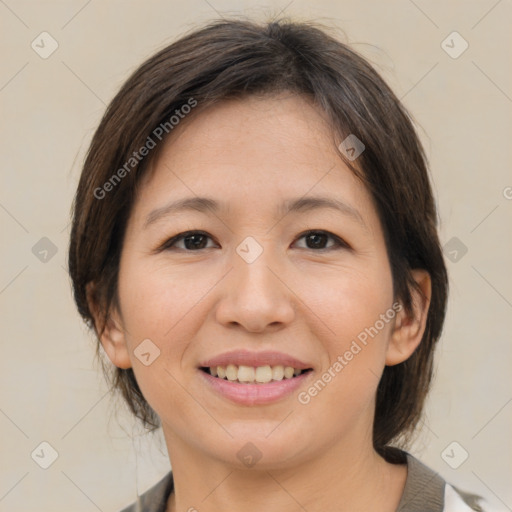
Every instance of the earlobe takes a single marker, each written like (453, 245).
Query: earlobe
(112, 337)
(113, 340)
(409, 328)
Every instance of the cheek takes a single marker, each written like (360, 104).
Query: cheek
(344, 390)
(156, 300)
(157, 306)
(357, 322)
(350, 300)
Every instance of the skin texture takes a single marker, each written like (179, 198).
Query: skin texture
(294, 298)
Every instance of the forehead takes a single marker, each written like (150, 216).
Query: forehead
(286, 126)
(253, 153)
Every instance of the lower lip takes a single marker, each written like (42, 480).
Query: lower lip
(255, 394)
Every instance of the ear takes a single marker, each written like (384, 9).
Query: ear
(409, 328)
(113, 337)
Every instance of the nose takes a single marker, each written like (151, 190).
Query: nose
(256, 296)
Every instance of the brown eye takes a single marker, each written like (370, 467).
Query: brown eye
(317, 240)
(192, 241)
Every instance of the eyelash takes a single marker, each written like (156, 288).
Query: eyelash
(339, 243)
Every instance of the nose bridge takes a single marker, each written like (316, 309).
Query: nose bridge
(253, 261)
(255, 272)
(255, 296)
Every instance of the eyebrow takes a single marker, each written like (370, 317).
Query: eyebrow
(208, 205)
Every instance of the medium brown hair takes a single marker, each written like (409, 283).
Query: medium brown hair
(236, 58)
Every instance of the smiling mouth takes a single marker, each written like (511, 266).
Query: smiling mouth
(253, 375)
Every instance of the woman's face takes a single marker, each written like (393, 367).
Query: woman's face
(253, 289)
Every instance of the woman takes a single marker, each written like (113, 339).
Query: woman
(255, 244)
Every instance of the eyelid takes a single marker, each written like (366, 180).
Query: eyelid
(339, 242)
(169, 241)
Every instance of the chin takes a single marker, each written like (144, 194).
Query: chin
(258, 450)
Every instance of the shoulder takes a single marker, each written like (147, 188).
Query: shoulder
(155, 498)
(458, 500)
(427, 491)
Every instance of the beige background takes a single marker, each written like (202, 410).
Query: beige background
(50, 388)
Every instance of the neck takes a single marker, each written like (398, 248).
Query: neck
(346, 477)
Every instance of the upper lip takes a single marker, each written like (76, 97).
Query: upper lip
(248, 358)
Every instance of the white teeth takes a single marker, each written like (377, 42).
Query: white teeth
(252, 375)
(263, 374)
(232, 372)
(278, 372)
(288, 372)
(246, 373)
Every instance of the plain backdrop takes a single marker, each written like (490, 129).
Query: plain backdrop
(51, 390)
